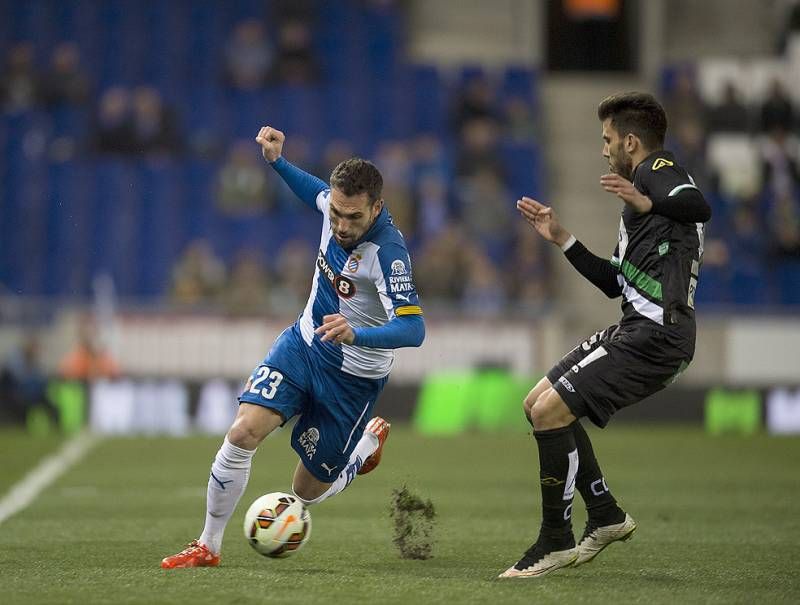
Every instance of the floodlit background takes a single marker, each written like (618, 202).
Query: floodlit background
(139, 224)
(149, 256)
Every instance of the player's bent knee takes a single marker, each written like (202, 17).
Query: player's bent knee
(550, 412)
(542, 386)
(244, 436)
(252, 425)
(527, 404)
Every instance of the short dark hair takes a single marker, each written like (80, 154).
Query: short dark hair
(637, 113)
(356, 176)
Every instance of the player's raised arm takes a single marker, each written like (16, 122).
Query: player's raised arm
(671, 196)
(544, 220)
(304, 185)
(271, 141)
(597, 270)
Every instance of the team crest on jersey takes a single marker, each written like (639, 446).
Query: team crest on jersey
(308, 441)
(398, 267)
(352, 262)
(661, 162)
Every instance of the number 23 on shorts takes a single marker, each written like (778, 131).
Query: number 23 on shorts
(273, 378)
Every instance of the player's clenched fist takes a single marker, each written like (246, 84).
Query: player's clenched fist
(271, 141)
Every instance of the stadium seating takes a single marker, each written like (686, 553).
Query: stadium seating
(131, 217)
(752, 272)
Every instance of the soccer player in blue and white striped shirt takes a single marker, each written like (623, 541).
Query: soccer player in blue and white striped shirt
(330, 366)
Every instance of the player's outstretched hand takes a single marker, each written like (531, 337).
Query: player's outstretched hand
(543, 219)
(624, 189)
(271, 141)
(335, 329)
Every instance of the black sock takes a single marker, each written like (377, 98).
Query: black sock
(558, 463)
(600, 504)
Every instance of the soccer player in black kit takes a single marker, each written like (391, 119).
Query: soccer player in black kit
(654, 268)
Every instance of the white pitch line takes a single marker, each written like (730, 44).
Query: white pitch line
(51, 468)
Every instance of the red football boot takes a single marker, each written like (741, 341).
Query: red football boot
(380, 428)
(194, 555)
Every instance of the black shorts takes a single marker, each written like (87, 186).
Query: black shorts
(615, 368)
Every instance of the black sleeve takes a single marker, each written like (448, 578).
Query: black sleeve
(686, 206)
(597, 270)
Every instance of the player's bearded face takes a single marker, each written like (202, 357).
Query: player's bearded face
(351, 216)
(619, 160)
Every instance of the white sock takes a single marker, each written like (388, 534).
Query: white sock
(364, 448)
(229, 474)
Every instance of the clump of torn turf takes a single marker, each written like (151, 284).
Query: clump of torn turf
(413, 524)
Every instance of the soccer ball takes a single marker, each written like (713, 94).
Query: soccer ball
(277, 524)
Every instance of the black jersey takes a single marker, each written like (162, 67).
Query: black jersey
(658, 258)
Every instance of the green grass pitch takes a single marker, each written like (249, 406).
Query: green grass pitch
(719, 522)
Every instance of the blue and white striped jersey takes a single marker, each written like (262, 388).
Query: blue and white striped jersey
(370, 284)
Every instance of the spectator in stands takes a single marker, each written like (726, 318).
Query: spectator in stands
(790, 24)
(281, 10)
(65, 83)
(441, 266)
(247, 290)
(521, 125)
(484, 289)
(112, 131)
(23, 382)
(198, 277)
(528, 274)
(780, 162)
(394, 161)
(781, 188)
(429, 157)
(683, 102)
(335, 152)
(88, 360)
(478, 149)
(243, 188)
(776, 110)
(747, 245)
(784, 217)
(687, 117)
(476, 101)
(482, 205)
(431, 206)
(155, 126)
(688, 145)
(291, 286)
(730, 115)
(295, 62)
(248, 56)
(430, 177)
(19, 81)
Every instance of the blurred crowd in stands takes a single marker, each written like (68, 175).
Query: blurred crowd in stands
(744, 153)
(450, 187)
(25, 381)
